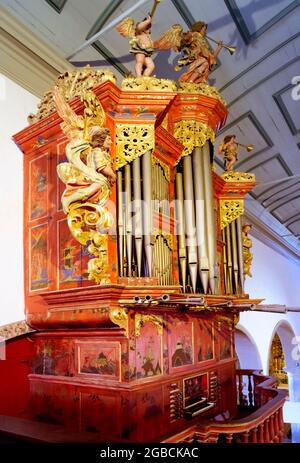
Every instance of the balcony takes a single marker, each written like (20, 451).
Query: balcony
(259, 418)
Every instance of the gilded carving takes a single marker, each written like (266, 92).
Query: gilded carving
(140, 319)
(168, 238)
(163, 165)
(149, 84)
(231, 176)
(71, 84)
(88, 177)
(247, 254)
(200, 89)
(230, 209)
(119, 316)
(132, 141)
(12, 330)
(192, 134)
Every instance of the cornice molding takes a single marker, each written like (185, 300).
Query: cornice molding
(13, 330)
(266, 235)
(25, 58)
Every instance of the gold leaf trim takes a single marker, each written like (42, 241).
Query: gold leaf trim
(150, 84)
(230, 210)
(140, 319)
(238, 177)
(167, 237)
(201, 89)
(119, 317)
(192, 134)
(71, 84)
(133, 141)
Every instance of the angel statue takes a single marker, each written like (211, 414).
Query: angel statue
(197, 54)
(229, 147)
(140, 42)
(88, 174)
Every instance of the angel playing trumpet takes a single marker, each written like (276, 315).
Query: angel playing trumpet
(141, 43)
(197, 55)
(229, 147)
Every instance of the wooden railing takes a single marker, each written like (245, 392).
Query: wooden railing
(263, 423)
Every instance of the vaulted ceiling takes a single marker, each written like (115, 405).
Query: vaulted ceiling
(259, 82)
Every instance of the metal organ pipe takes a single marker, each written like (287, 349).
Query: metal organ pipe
(120, 221)
(190, 224)
(234, 257)
(181, 227)
(240, 252)
(200, 218)
(128, 224)
(229, 258)
(147, 212)
(210, 220)
(138, 229)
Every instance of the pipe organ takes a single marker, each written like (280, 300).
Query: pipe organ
(142, 345)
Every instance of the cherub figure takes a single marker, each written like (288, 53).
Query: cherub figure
(197, 54)
(140, 42)
(229, 147)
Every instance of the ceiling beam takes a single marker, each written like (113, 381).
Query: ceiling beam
(25, 58)
(104, 16)
(57, 5)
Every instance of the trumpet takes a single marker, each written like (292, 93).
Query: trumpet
(248, 147)
(156, 2)
(228, 47)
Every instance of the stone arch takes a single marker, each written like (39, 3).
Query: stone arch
(246, 350)
(286, 335)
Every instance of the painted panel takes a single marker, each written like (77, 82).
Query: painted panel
(180, 343)
(39, 257)
(69, 258)
(99, 359)
(149, 351)
(99, 414)
(204, 340)
(225, 341)
(54, 357)
(38, 187)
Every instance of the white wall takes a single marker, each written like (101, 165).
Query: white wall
(15, 105)
(275, 278)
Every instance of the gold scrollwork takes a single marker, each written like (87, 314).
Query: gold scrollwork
(163, 165)
(119, 316)
(192, 134)
(201, 89)
(149, 84)
(230, 209)
(133, 141)
(141, 319)
(71, 84)
(83, 220)
(231, 176)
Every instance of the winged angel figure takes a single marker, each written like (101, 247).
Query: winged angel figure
(140, 42)
(197, 54)
(88, 174)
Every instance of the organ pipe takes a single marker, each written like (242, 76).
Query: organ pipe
(147, 210)
(181, 228)
(138, 229)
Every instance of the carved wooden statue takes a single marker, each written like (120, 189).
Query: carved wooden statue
(197, 54)
(247, 245)
(88, 175)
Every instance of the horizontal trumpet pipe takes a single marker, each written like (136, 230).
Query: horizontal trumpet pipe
(230, 48)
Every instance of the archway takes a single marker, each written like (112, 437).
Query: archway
(246, 350)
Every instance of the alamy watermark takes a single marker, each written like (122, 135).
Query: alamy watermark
(295, 94)
(296, 349)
